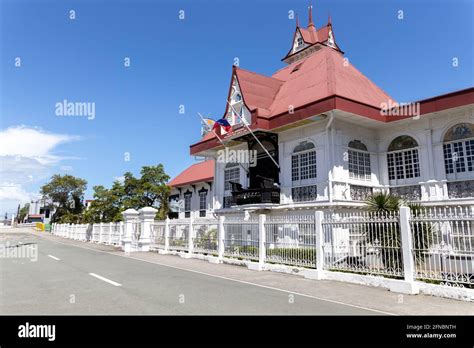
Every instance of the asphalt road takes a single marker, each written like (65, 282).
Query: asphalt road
(66, 279)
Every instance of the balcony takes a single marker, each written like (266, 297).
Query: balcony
(241, 196)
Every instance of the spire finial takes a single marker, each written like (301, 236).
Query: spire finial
(297, 21)
(310, 16)
(329, 19)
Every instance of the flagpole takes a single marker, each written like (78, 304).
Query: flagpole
(220, 140)
(258, 141)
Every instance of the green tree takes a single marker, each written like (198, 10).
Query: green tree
(23, 211)
(65, 194)
(150, 190)
(106, 206)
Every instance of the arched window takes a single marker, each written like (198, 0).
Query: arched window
(458, 146)
(303, 162)
(359, 161)
(402, 158)
(231, 174)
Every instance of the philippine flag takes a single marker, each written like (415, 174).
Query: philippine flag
(224, 125)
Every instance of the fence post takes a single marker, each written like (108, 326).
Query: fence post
(147, 216)
(110, 232)
(261, 241)
(101, 231)
(319, 216)
(129, 217)
(220, 238)
(409, 285)
(167, 234)
(190, 234)
(121, 230)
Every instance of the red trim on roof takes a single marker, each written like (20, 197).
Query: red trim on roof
(198, 172)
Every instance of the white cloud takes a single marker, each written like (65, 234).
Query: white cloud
(26, 158)
(22, 141)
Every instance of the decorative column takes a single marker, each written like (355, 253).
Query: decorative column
(408, 286)
(147, 217)
(221, 238)
(129, 218)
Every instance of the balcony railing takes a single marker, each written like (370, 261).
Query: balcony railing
(241, 196)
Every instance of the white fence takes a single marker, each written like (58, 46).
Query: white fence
(106, 233)
(435, 245)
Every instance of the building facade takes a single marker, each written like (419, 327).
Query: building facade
(324, 135)
(192, 193)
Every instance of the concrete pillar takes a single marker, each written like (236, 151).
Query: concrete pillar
(220, 238)
(111, 226)
(147, 217)
(408, 286)
(261, 245)
(167, 234)
(101, 232)
(129, 217)
(191, 234)
(319, 216)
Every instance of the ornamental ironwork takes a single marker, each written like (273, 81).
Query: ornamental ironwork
(410, 193)
(461, 189)
(360, 193)
(304, 193)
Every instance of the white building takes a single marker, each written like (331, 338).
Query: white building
(336, 137)
(192, 192)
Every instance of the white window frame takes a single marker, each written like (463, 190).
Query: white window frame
(186, 196)
(203, 199)
(309, 179)
(365, 154)
(465, 147)
(404, 153)
(235, 171)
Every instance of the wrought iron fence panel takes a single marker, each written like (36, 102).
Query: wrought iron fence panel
(205, 236)
(291, 240)
(241, 239)
(443, 245)
(157, 235)
(178, 238)
(363, 242)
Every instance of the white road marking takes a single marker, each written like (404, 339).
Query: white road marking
(105, 279)
(54, 257)
(231, 279)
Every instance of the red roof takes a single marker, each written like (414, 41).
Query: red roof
(258, 91)
(318, 83)
(322, 74)
(199, 172)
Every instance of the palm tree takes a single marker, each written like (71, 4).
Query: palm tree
(388, 233)
(382, 202)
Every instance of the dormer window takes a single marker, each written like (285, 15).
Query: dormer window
(299, 42)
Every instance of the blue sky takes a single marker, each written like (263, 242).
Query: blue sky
(185, 62)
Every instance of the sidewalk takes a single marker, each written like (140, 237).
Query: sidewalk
(368, 297)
